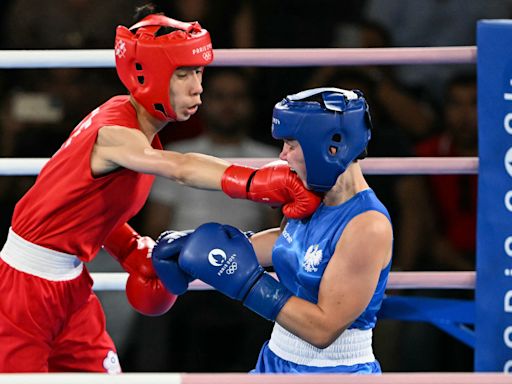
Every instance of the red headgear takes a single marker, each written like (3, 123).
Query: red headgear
(145, 62)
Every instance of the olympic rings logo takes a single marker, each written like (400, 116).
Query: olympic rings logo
(232, 268)
(218, 258)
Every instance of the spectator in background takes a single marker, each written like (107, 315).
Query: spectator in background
(446, 205)
(178, 340)
(65, 24)
(66, 92)
(403, 108)
(433, 23)
(452, 199)
(291, 24)
(27, 129)
(230, 22)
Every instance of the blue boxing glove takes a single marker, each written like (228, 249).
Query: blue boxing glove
(222, 256)
(165, 260)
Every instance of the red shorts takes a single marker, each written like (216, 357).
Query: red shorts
(52, 326)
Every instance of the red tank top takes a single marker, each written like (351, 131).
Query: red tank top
(69, 210)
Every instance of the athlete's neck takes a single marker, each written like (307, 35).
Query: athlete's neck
(348, 184)
(148, 124)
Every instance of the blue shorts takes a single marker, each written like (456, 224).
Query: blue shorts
(269, 362)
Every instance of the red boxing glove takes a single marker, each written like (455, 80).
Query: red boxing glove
(274, 184)
(145, 292)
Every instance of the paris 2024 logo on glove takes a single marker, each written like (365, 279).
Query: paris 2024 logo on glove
(218, 258)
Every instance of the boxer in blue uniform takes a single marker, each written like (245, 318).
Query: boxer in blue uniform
(332, 267)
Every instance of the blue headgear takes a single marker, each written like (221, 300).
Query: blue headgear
(332, 134)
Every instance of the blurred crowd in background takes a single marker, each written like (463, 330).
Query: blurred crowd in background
(421, 110)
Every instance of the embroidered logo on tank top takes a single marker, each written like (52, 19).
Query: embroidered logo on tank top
(312, 258)
(286, 235)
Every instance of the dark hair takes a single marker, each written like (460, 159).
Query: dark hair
(151, 9)
(145, 10)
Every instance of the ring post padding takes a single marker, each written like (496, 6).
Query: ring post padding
(493, 350)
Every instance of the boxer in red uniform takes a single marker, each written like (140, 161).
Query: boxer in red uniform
(50, 320)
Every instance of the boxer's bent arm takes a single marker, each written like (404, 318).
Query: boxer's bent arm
(263, 242)
(129, 148)
(347, 285)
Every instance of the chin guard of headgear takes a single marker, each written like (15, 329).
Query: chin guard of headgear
(332, 133)
(145, 62)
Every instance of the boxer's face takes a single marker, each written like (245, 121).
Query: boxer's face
(293, 155)
(185, 91)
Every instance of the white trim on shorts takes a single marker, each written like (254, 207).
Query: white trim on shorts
(353, 346)
(33, 259)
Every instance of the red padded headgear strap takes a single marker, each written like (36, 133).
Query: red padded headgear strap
(145, 62)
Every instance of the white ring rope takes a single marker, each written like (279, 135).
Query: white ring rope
(370, 166)
(240, 378)
(116, 281)
(104, 58)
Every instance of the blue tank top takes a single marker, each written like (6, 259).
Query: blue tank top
(304, 248)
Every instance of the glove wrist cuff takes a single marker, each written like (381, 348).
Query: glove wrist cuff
(121, 241)
(235, 181)
(267, 297)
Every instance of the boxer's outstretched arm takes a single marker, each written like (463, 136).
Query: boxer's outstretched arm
(119, 147)
(275, 184)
